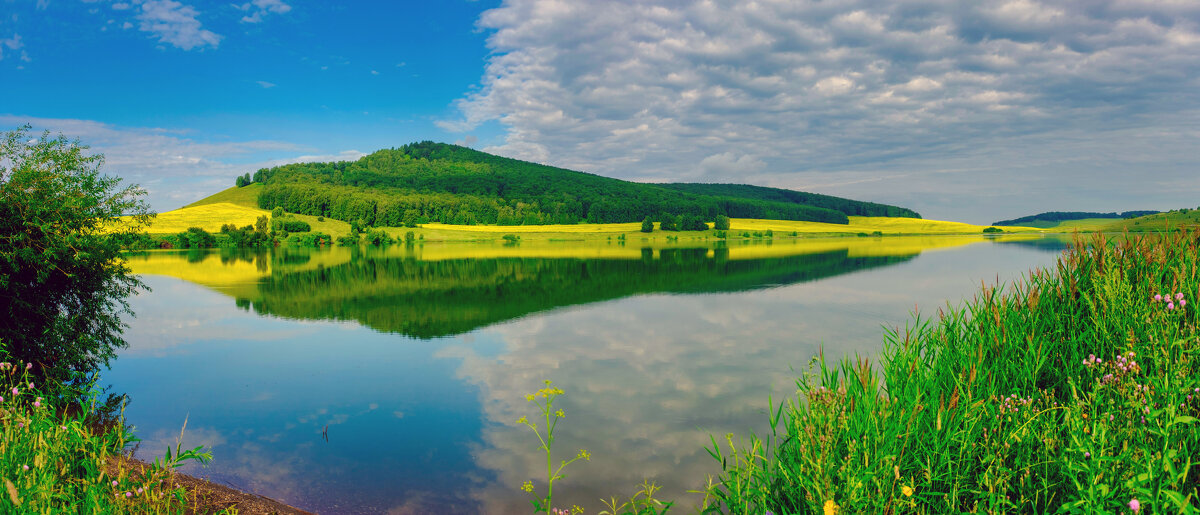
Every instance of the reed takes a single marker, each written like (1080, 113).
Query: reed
(1073, 390)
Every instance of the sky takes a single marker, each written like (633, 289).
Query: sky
(972, 111)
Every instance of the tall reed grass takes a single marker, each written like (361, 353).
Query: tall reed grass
(1074, 390)
(60, 455)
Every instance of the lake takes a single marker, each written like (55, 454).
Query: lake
(389, 380)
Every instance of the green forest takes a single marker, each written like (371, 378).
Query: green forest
(436, 182)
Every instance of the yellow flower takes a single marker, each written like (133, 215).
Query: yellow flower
(906, 490)
(529, 397)
(522, 420)
(831, 508)
(560, 414)
(586, 456)
(528, 486)
(576, 509)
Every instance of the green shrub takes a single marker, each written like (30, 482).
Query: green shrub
(378, 237)
(721, 223)
(647, 225)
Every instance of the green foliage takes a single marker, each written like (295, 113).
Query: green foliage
(378, 237)
(992, 230)
(290, 224)
(310, 239)
(511, 238)
(769, 233)
(1061, 216)
(1076, 390)
(721, 223)
(409, 238)
(245, 237)
(348, 240)
(278, 211)
(668, 223)
(62, 282)
(56, 453)
(240, 181)
(195, 238)
(647, 225)
(780, 195)
(436, 182)
(262, 225)
(692, 223)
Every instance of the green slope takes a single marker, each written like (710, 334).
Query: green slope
(435, 182)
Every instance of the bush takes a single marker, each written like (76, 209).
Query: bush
(310, 239)
(378, 237)
(511, 238)
(668, 223)
(290, 224)
(348, 240)
(991, 230)
(721, 223)
(278, 211)
(63, 283)
(647, 225)
(692, 223)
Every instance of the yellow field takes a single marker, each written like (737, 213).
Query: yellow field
(867, 224)
(209, 217)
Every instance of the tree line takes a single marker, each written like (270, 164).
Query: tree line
(432, 182)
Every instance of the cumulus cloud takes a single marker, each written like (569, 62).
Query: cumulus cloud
(174, 169)
(260, 8)
(175, 24)
(893, 96)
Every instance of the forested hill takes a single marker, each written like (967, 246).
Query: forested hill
(1059, 216)
(746, 191)
(436, 182)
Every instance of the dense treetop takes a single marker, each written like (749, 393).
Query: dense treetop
(424, 182)
(1059, 216)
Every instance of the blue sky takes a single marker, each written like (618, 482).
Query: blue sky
(973, 111)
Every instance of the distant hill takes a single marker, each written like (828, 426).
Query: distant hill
(436, 182)
(1061, 216)
(746, 191)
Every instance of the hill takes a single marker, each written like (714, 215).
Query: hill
(435, 182)
(746, 191)
(1051, 218)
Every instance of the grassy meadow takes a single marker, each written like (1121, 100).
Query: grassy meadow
(1075, 390)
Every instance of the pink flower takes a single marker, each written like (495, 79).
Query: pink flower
(114, 483)
(128, 494)
(26, 467)
(1170, 305)
(1179, 296)
(1135, 505)
(28, 366)
(1182, 303)
(1158, 297)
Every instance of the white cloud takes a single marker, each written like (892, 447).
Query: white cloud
(176, 24)
(14, 44)
(265, 84)
(872, 89)
(260, 8)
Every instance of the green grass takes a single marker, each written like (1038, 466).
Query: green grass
(59, 457)
(246, 196)
(1071, 391)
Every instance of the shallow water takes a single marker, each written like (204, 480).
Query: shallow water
(389, 380)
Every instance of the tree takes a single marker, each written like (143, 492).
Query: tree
(63, 282)
(647, 225)
(721, 223)
(241, 181)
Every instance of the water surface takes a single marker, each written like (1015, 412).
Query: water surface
(388, 381)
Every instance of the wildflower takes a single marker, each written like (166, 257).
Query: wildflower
(1179, 296)
(25, 467)
(560, 414)
(28, 366)
(522, 420)
(831, 508)
(527, 486)
(128, 494)
(584, 455)
(1087, 454)
(906, 490)
(20, 425)
(576, 509)
(1, 398)
(1158, 297)
(114, 483)
(1182, 303)
(1170, 306)
(15, 391)
(139, 491)
(1135, 505)
(37, 403)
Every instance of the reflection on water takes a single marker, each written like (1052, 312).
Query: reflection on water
(657, 349)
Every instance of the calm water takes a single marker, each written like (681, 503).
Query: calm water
(417, 360)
